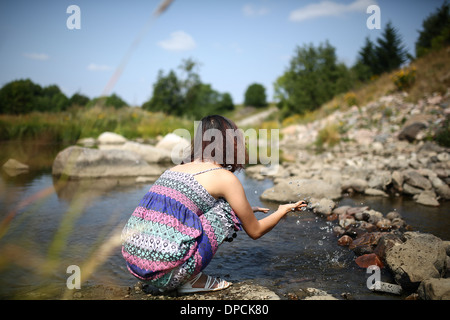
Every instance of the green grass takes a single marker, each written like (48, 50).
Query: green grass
(76, 123)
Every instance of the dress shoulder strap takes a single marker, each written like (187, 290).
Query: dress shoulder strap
(210, 169)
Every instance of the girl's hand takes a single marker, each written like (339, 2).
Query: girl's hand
(259, 209)
(293, 206)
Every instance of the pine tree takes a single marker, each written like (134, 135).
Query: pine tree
(390, 51)
(367, 63)
(436, 31)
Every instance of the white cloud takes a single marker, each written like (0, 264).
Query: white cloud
(36, 56)
(236, 47)
(178, 41)
(250, 10)
(98, 67)
(328, 8)
(286, 57)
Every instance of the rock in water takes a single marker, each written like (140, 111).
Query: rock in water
(78, 162)
(367, 260)
(422, 256)
(365, 243)
(13, 167)
(415, 179)
(148, 153)
(323, 206)
(427, 198)
(345, 240)
(180, 147)
(375, 192)
(13, 164)
(111, 138)
(435, 289)
(386, 242)
(295, 189)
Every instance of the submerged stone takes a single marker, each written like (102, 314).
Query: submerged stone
(367, 260)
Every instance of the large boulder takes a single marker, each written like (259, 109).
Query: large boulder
(179, 147)
(356, 184)
(78, 162)
(434, 289)
(386, 242)
(422, 256)
(414, 127)
(411, 131)
(415, 179)
(441, 188)
(149, 153)
(380, 179)
(111, 138)
(296, 189)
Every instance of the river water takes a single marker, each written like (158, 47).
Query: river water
(50, 231)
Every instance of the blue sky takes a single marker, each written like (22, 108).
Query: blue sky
(237, 42)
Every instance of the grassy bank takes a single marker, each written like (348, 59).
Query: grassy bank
(76, 123)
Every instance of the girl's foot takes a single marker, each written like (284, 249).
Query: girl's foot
(203, 283)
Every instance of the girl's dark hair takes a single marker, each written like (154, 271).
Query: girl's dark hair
(229, 150)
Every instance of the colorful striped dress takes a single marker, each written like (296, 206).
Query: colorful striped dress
(175, 230)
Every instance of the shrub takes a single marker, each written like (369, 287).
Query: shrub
(293, 119)
(112, 100)
(350, 99)
(255, 95)
(328, 136)
(404, 78)
(443, 134)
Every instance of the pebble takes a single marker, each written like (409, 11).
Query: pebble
(345, 240)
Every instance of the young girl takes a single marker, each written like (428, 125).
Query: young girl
(191, 209)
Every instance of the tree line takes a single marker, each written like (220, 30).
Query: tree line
(314, 75)
(25, 96)
(185, 94)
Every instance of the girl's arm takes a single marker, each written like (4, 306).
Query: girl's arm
(234, 193)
